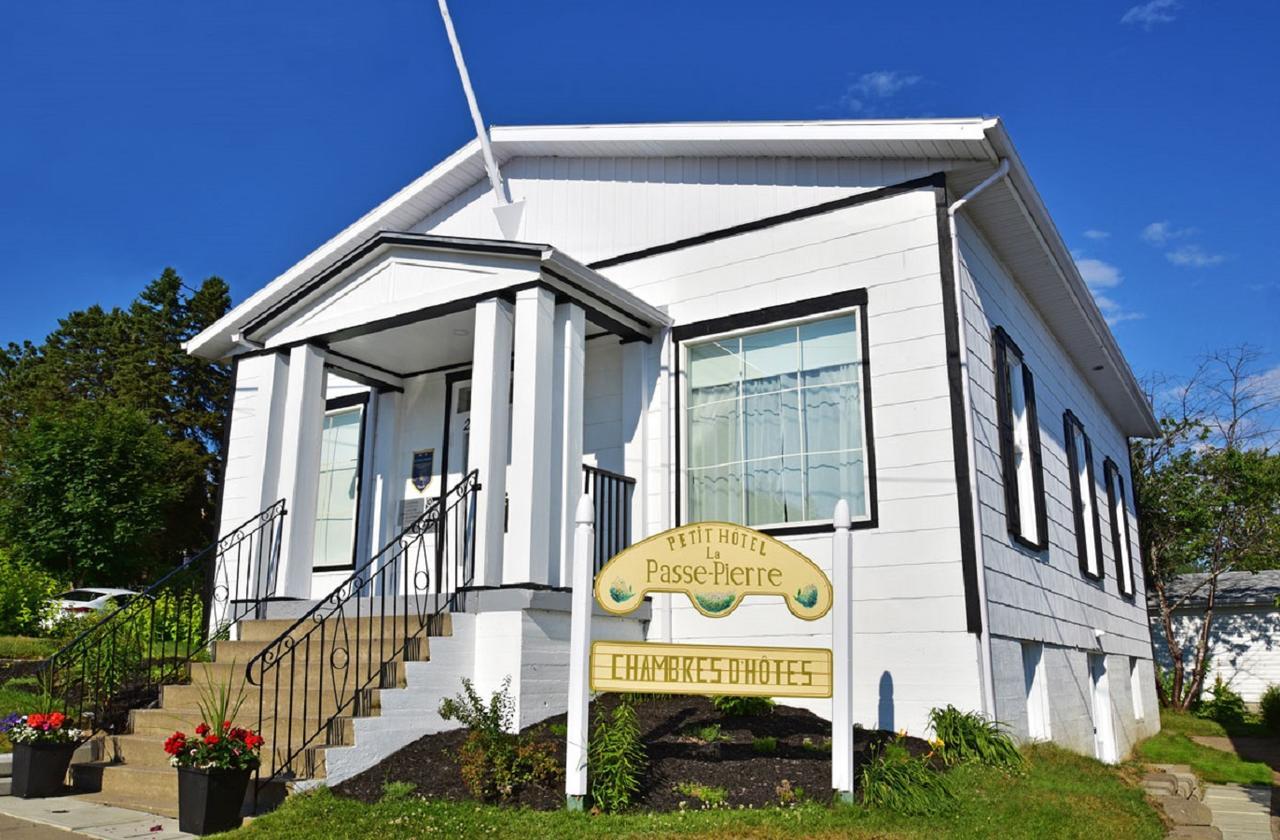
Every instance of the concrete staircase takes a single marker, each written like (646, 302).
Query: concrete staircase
(300, 696)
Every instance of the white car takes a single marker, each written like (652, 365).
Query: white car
(80, 602)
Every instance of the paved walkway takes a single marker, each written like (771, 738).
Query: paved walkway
(54, 817)
(1244, 812)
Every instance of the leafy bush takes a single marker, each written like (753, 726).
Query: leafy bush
(25, 590)
(896, 781)
(709, 795)
(1269, 707)
(789, 795)
(742, 706)
(970, 737)
(704, 733)
(495, 764)
(617, 759)
(1223, 705)
(767, 745)
(397, 791)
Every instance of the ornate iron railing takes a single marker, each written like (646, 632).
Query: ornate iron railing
(327, 663)
(611, 495)
(121, 662)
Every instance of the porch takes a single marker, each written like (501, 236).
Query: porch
(418, 370)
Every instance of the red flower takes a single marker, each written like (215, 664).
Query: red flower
(253, 741)
(202, 729)
(211, 740)
(35, 721)
(175, 743)
(56, 719)
(226, 724)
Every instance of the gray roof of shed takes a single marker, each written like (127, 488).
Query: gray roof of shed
(1234, 588)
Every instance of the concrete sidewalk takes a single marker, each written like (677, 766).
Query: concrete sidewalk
(1240, 812)
(53, 817)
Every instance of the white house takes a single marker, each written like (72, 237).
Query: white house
(1244, 634)
(718, 321)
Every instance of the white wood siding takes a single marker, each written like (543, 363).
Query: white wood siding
(594, 208)
(1244, 644)
(909, 618)
(1043, 596)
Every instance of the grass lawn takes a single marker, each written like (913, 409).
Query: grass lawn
(1185, 723)
(1173, 745)
(1061, 795)
(27, 647)
(16, 695)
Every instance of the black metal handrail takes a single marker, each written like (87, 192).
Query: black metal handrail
(330, 659)
(611, 497)
(121, 662)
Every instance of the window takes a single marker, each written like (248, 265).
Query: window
(1120, 546)
(1084, 498)
(337, 506)
(1135, 688)
(1037, 691)
(775, 423)
(1019, 445)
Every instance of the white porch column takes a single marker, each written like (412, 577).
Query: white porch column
(384, 424)
(637, 389)
(570, 361)
(303, 425)
(529, 522)
(490, 428)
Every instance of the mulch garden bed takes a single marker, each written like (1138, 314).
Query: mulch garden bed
(677, 754)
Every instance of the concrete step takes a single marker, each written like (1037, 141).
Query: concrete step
(159, 723)
(302, 674)
(269, 629)
(184, 700)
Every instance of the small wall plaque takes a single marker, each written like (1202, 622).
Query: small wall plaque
(423, 467)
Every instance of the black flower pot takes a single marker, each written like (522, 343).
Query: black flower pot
(40, 769)
(209, 801)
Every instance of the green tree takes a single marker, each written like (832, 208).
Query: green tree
(128, 362)
(1208, 490)
(90, 493)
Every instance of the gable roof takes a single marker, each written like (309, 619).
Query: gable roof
(975, 145)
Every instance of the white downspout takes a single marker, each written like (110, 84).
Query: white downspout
(984, 638)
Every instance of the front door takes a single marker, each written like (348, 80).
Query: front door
(1104, 738)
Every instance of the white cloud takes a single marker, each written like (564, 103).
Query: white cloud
(865, 91)
(1193, 256)
(1149, 14)
(1114, 312)
(1095, 234)
(1099, 274)
(1161, 233)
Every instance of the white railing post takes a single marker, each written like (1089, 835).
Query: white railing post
(842, 656)
(575, 770)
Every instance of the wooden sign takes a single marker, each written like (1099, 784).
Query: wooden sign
(710, 669)
(716, 564)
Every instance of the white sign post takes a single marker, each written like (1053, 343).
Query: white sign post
(842, 656)
(575, 760)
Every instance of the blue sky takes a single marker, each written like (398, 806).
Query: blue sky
(230, 138)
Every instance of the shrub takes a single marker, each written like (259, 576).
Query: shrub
(709, 795)
(970, 737)
(1269, 707)
(617, 759)
(742, 706)
(1224, 705)
(896, 781)
(397, 791)
(495, 764)
(765, 746)
(25, 590)
(789, 795)
(707, 733)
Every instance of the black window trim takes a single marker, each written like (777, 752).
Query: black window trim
(1005, 346)
(1071, 424)
(759, 318)
(335, 404)
(1119, 524)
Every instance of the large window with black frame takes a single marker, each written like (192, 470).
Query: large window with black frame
(1084, 497)
(1020, 458)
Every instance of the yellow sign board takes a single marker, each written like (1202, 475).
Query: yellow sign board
(716, 564)
(710, 669)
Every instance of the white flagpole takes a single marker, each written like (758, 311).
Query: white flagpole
(507, 212)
